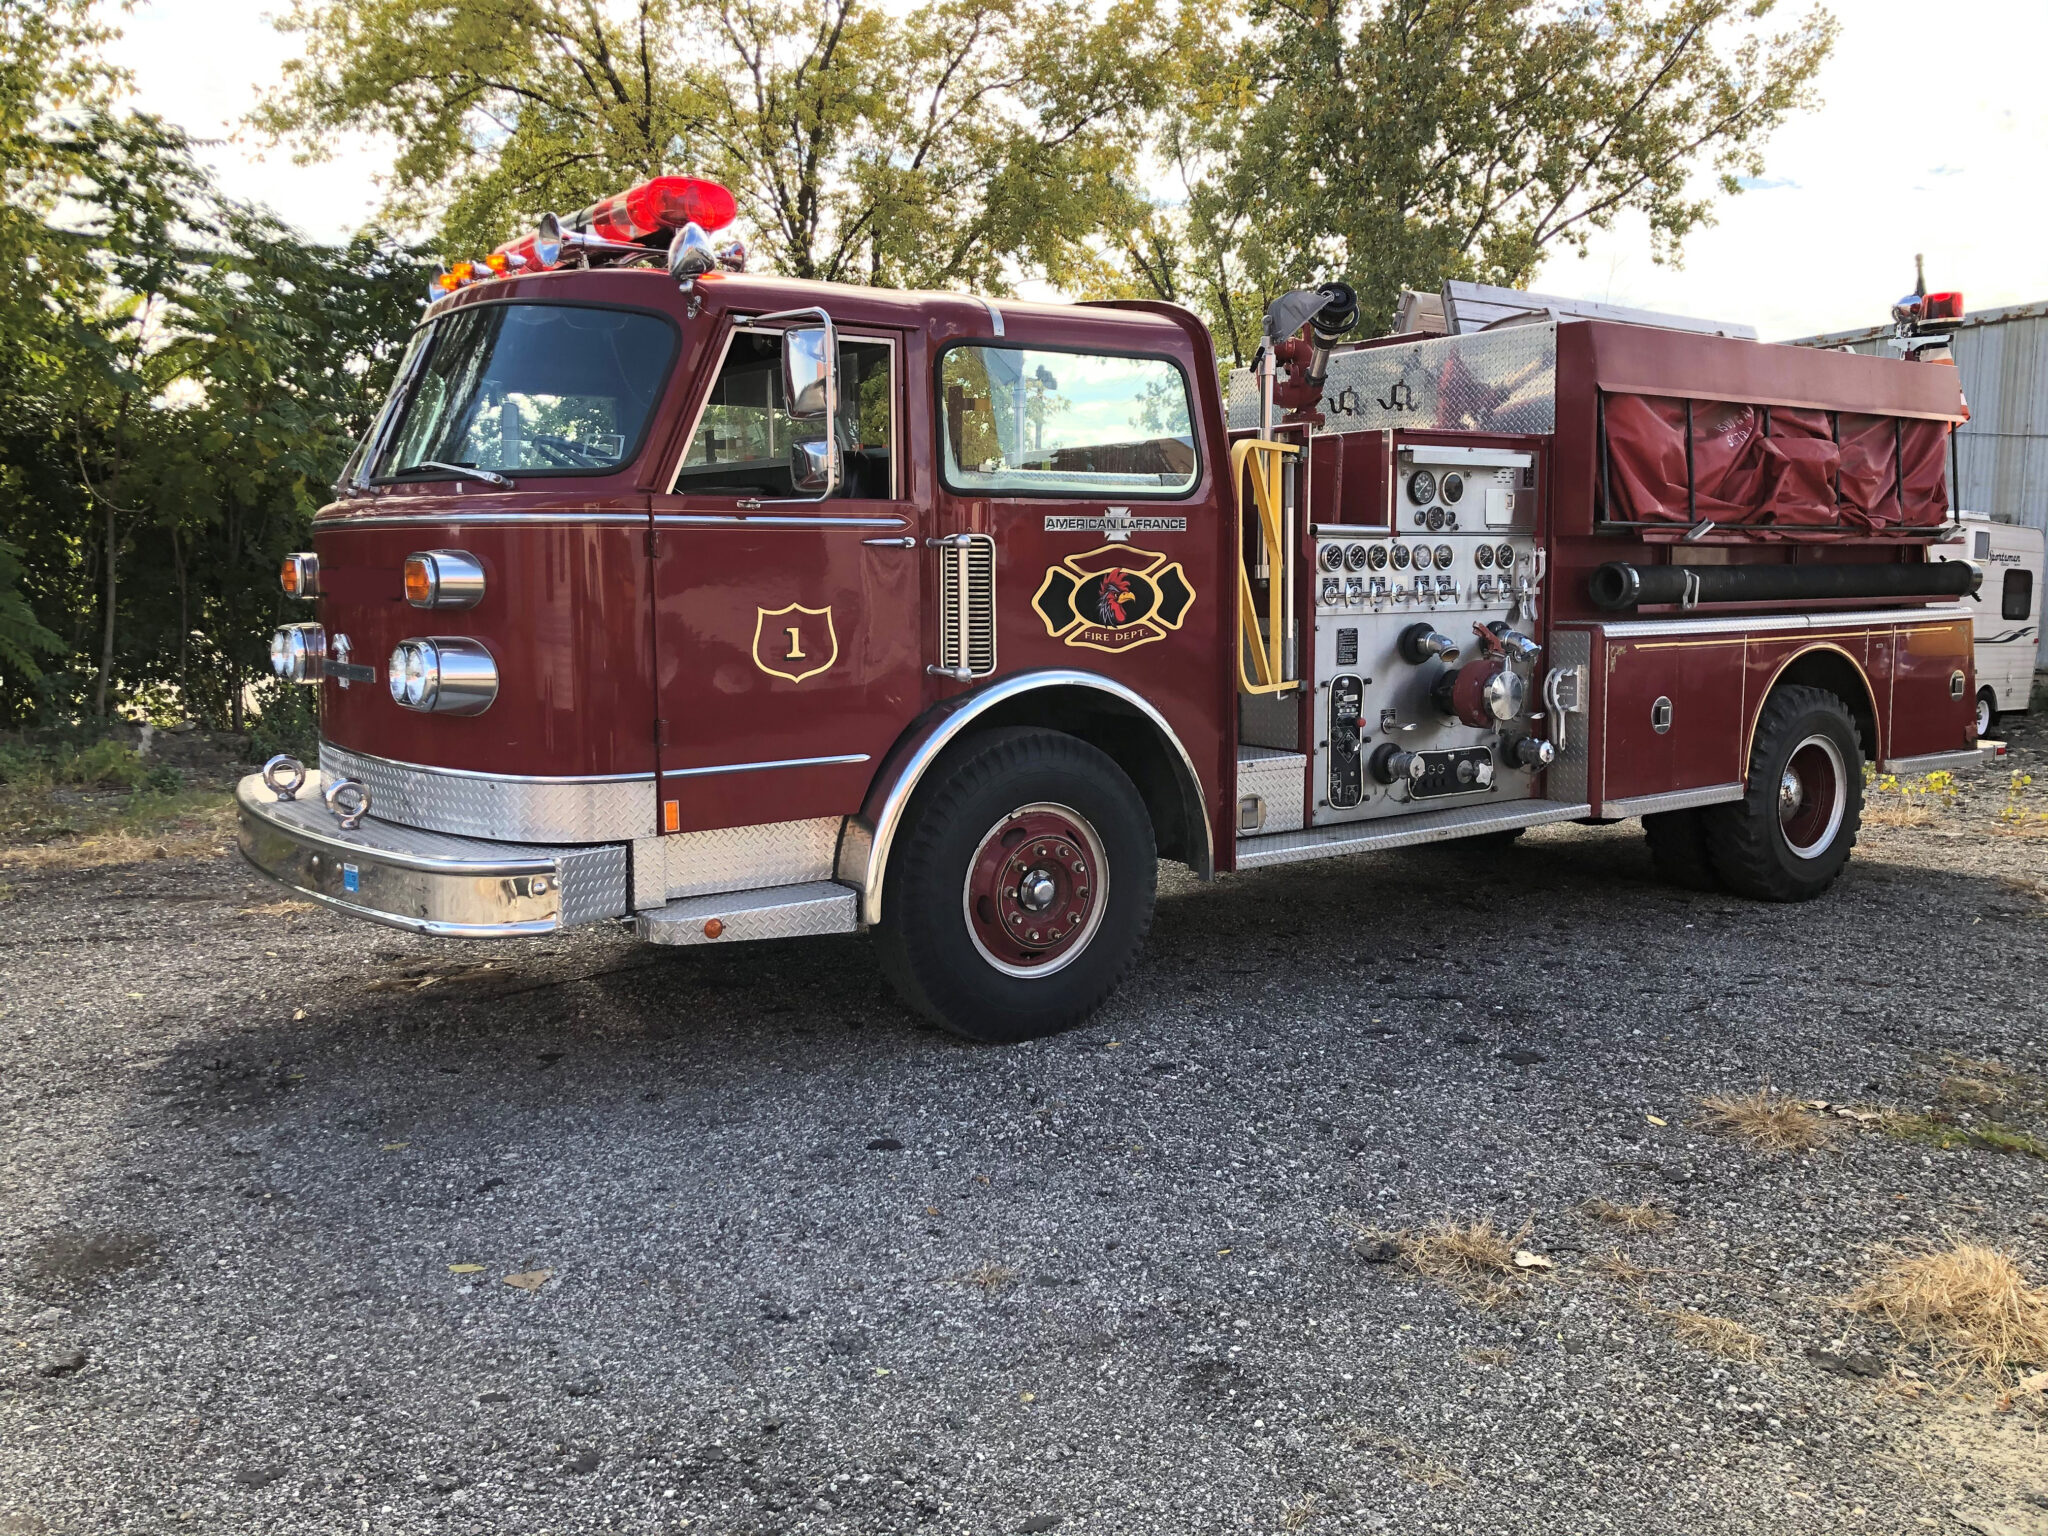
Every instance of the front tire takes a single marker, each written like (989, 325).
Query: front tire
(1023, 888)
(1789, 836)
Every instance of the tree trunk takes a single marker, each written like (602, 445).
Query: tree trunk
(99, 699)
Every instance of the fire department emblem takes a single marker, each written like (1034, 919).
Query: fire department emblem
(1113, 598)
(794, 642)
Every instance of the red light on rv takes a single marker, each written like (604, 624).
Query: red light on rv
(666, 202)
(1943, 306)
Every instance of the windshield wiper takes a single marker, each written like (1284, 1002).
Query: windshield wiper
(470, 471)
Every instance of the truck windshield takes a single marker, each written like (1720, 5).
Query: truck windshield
(528, 389)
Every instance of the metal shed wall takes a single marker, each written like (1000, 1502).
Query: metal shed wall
(2002, 451)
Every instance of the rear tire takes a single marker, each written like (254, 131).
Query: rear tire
(1789, 836)
(1023, 887)
(1678, 850)
(1987, 712)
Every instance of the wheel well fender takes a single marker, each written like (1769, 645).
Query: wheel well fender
(1834, 669)
(1100, 711)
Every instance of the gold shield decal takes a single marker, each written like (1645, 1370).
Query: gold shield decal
(1113, 598)
(794, 642)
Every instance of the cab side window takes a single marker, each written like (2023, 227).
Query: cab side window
(743, 440)
(1068, 424)
(2017, 600)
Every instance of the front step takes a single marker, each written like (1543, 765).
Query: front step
(779, 912)
(1400, 831)
(1270, 789)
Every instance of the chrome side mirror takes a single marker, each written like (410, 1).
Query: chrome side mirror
(809, 373)
(814, 467)
(690, 254)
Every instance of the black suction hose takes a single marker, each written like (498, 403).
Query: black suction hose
(1618, 585)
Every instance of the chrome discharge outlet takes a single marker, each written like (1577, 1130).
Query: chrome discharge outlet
(1421, 642)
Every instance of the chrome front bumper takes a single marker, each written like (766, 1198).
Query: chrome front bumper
(427, 882)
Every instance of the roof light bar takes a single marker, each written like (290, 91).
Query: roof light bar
(666, 202)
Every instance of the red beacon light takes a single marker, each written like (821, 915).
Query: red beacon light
(666, 202)
(1942, 306)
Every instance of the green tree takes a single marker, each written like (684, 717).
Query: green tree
(1398, 143)
(958, 143)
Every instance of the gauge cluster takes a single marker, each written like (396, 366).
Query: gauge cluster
(1405, 574)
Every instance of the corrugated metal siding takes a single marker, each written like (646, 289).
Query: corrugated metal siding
(2002, 451)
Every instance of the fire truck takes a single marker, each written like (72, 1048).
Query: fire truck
(735, 607)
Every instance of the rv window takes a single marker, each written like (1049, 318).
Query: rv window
(1982, 550)
(2018, 600)
(744, 438)
(1070, 424)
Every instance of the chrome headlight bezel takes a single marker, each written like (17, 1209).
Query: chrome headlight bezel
(298, 653)
(442, 675)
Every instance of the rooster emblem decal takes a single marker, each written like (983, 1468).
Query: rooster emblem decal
(1113, 598)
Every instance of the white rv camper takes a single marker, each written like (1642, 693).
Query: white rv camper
(2007, 610)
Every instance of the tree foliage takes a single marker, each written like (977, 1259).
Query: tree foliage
(958, 143)
(1398, 143)
(184, 378)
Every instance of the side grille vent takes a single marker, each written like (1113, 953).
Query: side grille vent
(967, 606)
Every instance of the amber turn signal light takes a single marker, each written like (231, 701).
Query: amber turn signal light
(419, 581)
(443, 578)
(300, 576)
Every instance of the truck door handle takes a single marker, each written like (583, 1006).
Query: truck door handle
(902, 543)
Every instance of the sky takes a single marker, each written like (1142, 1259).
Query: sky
(1932, 138)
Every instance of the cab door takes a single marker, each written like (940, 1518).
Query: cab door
(786, 630)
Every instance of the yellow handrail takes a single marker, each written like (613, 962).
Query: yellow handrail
(1267, 649)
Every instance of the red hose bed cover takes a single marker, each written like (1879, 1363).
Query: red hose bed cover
(1786, 467)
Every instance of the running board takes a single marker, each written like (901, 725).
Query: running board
(1401, 831)
(780, 912)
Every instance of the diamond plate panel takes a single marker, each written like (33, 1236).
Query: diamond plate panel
(783, 912)
(1566, 778)
(499, 806)
(1278, 778)
(1493, 381)
(749, 858)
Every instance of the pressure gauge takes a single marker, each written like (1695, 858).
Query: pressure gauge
(1443, 557)
(1453, 487)
(1331, 557)
(1504, 557)
(1354, 558)
(1400, 557)
(1422, 557)
(1422, 487)
(1483, 557)
(1376, 556)
(1435, 521)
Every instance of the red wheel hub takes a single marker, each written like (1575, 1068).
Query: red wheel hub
(1034, 889)
(1810, 796)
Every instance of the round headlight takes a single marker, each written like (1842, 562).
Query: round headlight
(298, 653)
(414, 674)
(281, 653)
(394, 674)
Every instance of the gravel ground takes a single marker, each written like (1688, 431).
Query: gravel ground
(791, 1263)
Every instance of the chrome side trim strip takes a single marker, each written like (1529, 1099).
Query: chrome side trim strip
(342, 523)
(770, 520)
(781, 762)
(1932, 761)
(995, 316)
(1639, 629)
(1676, 800)
(1400, 832)
(502, 806)
(866, 862)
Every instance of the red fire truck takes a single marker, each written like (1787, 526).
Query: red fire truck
(738, 607)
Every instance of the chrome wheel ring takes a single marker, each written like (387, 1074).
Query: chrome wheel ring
(1813, 796)
(1035, 890)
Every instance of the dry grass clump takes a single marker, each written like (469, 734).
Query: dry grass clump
(1961, 1089)
(1643, 1216)
(1969, 1303)
(1721, 1336)
(1465, 1250)
(186, 826)
(1765, 1118)
(1413, 1464)
(1301, 1514)
(1616, 1265)
(990, 1277)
